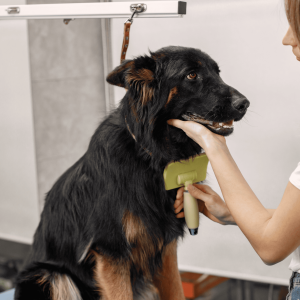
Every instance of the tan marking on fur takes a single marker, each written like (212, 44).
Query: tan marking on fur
(168, 281)
(150, 292)
(143, 248)
(158, 56)
(140, 80)
(90, 256)
(133, 110)
(152, 120)
(173, 92)
(147, 95)
(200, 63)
(43, 279)
(133, 227)
(112, 278)
(63, 288)
(141, 75)
(146, 74)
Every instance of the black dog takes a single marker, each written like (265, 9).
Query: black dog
(108, 229)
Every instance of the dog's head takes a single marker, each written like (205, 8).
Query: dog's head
(176, 82)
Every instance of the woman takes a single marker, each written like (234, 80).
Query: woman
(271, 232)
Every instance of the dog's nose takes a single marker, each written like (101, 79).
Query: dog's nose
(240, 104)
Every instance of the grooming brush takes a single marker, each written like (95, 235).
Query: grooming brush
(183, 173)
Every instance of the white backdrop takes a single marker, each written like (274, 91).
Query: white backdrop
(19, 213)
(244, 37)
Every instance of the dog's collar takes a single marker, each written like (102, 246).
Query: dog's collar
(146, 150)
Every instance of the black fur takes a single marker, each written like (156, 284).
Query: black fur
(118, 173)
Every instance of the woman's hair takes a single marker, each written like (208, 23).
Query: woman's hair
(292, 8)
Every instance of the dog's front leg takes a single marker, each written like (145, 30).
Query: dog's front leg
(168, 281)
(113, 278)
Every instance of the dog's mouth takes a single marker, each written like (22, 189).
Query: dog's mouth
(223, 128)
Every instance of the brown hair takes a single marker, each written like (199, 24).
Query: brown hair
(292, 8)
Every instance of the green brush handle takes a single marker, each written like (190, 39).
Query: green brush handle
(191, 212)
(185, 172)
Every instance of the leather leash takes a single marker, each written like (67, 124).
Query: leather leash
(125, 40)
(125, 44)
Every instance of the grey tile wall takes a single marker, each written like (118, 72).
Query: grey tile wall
(67, 91)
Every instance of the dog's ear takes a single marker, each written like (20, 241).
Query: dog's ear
(138, 76)
(117, 76)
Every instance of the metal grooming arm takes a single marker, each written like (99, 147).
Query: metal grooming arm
(69, 11)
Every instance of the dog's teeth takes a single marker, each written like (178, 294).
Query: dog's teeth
(219, 128)
(214, 125)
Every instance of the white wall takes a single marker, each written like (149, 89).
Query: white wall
(18, 186)
(244, 37)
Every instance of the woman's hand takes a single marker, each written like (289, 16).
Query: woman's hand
(209, 202)
(208, 140)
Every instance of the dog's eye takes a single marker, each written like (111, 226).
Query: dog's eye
(192, 76)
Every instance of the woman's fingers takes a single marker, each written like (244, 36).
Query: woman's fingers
(180, 215)
(201, 206)
(183, 126)
(178, 209)
(200, 134)
(201, 192)
(179, 197)
(176, 123)
(198, 194)
(191, 128)
(205, 188)
(180, 193)
(177, 203)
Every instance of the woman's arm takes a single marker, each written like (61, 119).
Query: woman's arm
(210, 204)
(273, 237)
(271, 211)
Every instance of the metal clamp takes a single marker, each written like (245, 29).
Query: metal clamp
(136, 9)
(13, 10)
(67, 21)
(139, 7)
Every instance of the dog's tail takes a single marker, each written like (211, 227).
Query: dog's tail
(46, 281)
